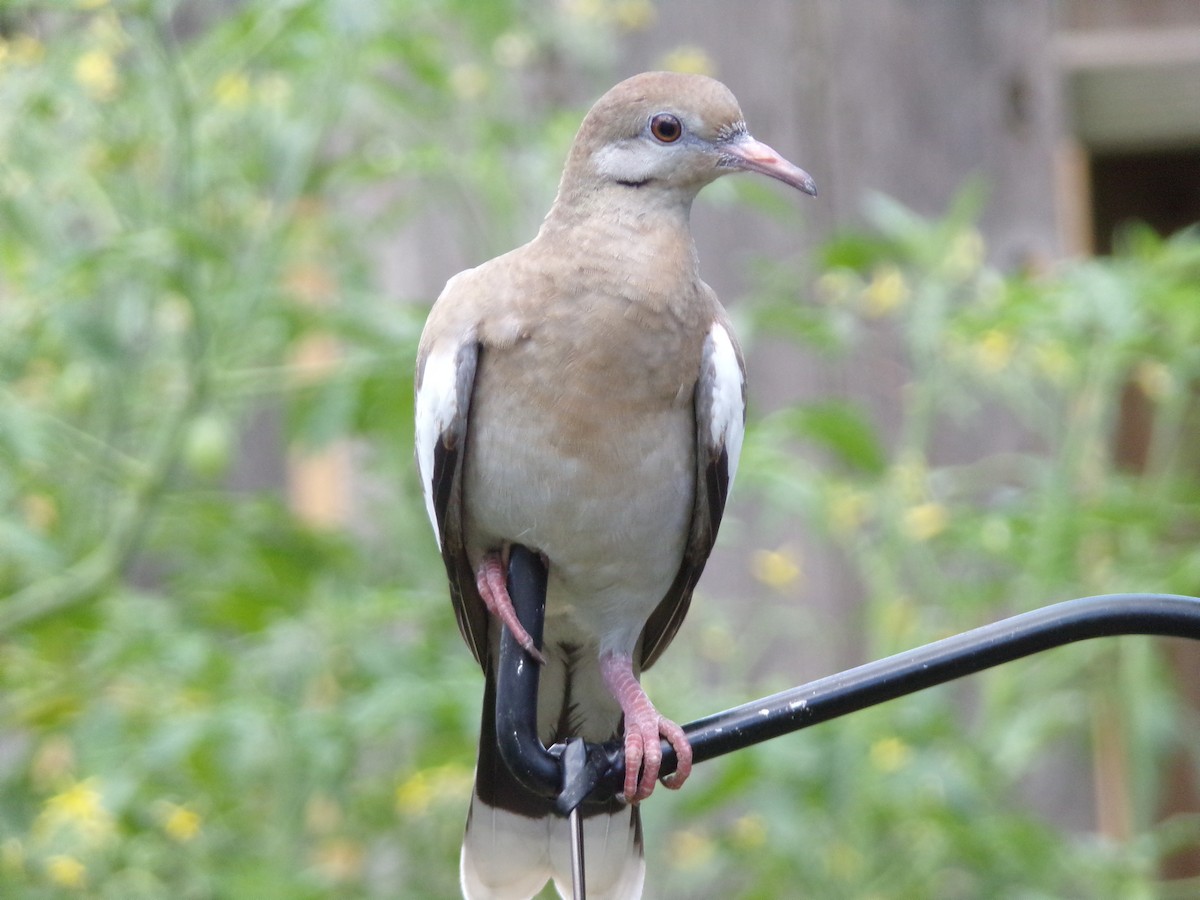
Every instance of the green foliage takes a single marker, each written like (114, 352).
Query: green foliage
(203, 693)
(906, 800)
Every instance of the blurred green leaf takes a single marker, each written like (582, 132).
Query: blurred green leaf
(839, 427)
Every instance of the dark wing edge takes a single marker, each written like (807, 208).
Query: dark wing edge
(445, 496)
(719, 401)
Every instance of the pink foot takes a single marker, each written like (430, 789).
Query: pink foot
(643, 728)
(493, 588)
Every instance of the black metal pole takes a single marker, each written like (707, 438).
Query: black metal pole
(600, 774)
(972, 651)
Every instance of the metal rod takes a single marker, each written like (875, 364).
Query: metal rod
(945, 660)
(601, 772)
(577, 770)
(578, 882)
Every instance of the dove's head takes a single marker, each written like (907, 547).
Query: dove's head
(668, 133)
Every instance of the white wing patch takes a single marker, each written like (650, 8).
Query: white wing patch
(437, 407)
(728, 397)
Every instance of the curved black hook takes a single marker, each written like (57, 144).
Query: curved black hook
(571, 777)
(517, 681)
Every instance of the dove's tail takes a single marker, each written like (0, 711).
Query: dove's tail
(515, 842)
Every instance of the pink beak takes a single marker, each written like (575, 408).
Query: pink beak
(744, 152)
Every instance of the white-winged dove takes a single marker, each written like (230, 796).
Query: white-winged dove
(584, 395)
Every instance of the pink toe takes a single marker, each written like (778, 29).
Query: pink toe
(633, 766)
(493, 590)
(683, 755)
(651, 763)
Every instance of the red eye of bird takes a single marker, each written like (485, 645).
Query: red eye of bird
(666, 128)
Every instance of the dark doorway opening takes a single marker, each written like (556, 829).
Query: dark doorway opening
(1159, 188)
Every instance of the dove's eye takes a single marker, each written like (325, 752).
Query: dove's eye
(666, 128)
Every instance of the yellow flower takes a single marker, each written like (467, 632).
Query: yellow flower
(107, 32)
(890, 754)
(1054, 361)
(836, 285)
(887, 291)
(690, 60)
(79, 807)
(469, 81)
(1154, 379)
(66, 871)
(80, 801)
(749, 831)
(847, 509)
(414, 794)
(897, 617)
(180, 823)
(994, 350)
(910, 475)
(96, 73)
(925, 521)
(173, 313)
(417, 792)
(634, 15)
(514, 49)
(588, 10)
(965, 254)
(631, 15)
(41, 512)
(232, 90)
(690, 849)
(776, 569)
(26, 50)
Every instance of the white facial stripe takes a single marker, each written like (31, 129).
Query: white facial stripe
(437, 405)
(634, 160)
(728, 406)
